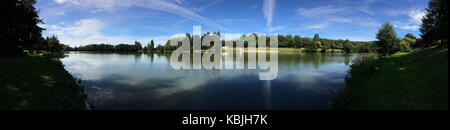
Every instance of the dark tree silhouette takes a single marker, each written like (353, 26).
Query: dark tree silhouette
(435, 22)
(19, 28)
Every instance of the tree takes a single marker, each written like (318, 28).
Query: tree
(411, 36)
(53, 44)
(347, 45)
(387, 38)
(410, 40)
(316, 38)
(316, 41)
(160, 48)
(297, 41)
(289, 41)
(167, 46)
(19, 28)
(309, 44)
(325, 45)
(151, 46)
(137, 46)
(435, 22)
(404, 45)
(282, 42)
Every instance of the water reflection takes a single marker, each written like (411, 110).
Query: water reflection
(147, 81)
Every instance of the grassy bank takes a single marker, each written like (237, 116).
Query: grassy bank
(416, 80)
(37, 82)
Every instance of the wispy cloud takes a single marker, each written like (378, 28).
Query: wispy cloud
(318, 26)
(169, 6)
(89, 31)
(325, 16)
(207, 5)
(409, 27)
(319, 11)
(269, 10)
(60, 13)
(84, 31)
(273, 29)
(414, 18)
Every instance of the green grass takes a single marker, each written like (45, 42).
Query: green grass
(37, 83)
(292, 50)
(404, 81)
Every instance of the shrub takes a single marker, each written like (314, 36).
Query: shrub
(360, 70)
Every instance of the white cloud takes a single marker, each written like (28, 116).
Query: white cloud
(324, 16)
(272, 29)
(268, 10)
(96, 11)
(331, 20)
(207, 5)
(231, 20)
(319, 11)
(318, 26)
(169, 6)
(60, 13)
(416, 16)
(89, 31)
(66, 1)
(409, 27)
(85, 31)
(60, 1)
(413, 23)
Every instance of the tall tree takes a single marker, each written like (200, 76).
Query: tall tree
(289, 40)
(435, 22)
(387, 38)
(151, 46)
(53, 44)
(297, 41)
(316, 41)
(316, 38)
(137, 46)
(19, 28)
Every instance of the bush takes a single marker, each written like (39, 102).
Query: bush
(404, 45)
(360, 70)
(362, 67)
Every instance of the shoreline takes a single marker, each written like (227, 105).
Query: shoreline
(416, 80)
(38, 83)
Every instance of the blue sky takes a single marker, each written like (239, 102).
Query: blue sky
(81, 22)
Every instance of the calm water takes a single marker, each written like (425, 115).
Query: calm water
(147, 81)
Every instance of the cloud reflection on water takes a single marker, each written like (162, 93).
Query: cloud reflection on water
(129, 81)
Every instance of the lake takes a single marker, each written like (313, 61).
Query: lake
(147, 81)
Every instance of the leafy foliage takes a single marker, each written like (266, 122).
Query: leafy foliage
(387, 38)
(435, 23)
(19, 28)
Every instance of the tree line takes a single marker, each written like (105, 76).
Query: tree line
(285, 41)
(137, 46)
(20, 31)
(433, 32)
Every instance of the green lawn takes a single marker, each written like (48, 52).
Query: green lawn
(37, 82)
(416, 80)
